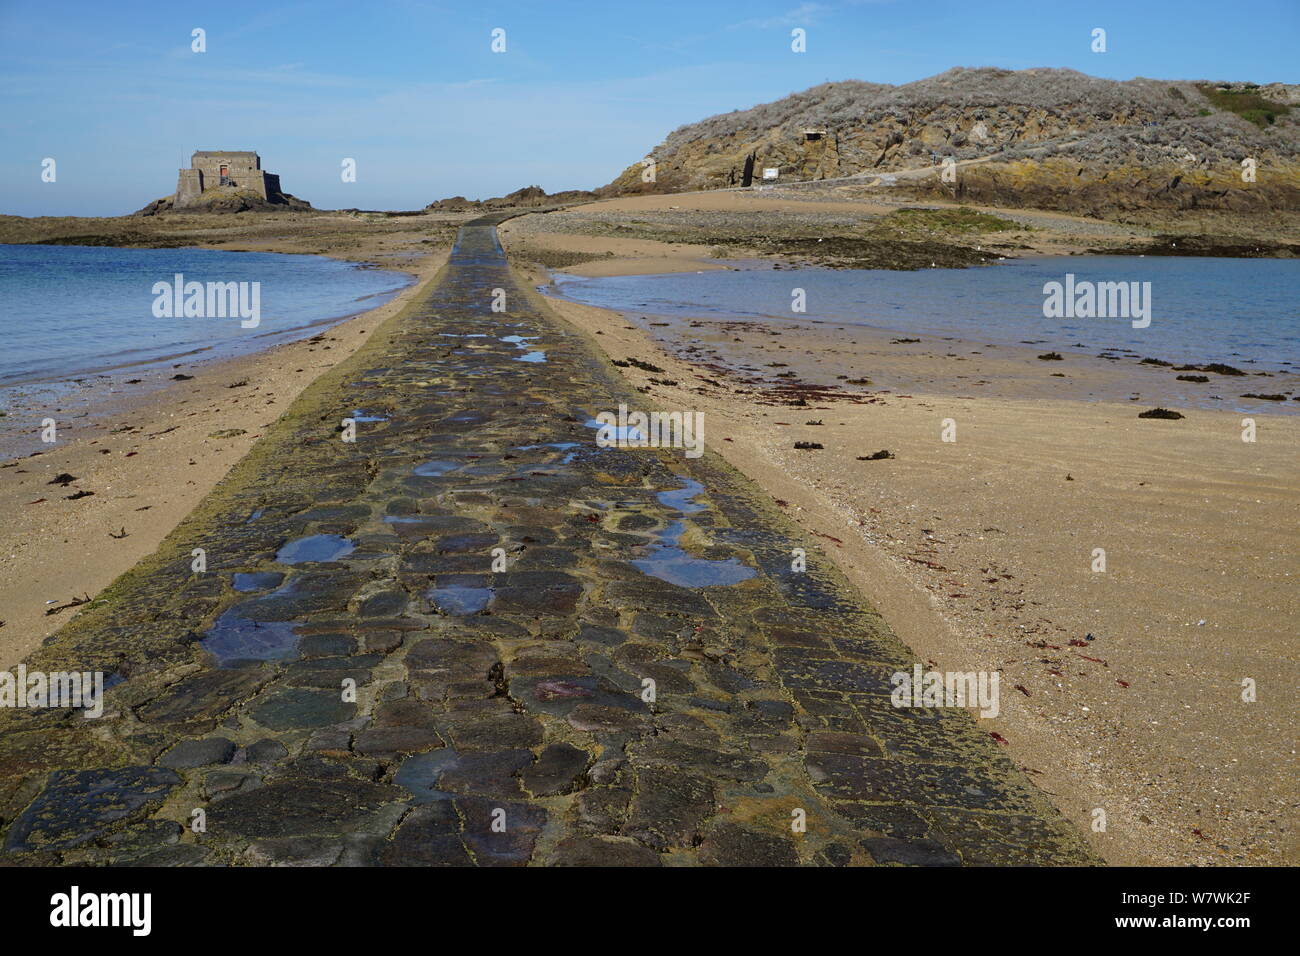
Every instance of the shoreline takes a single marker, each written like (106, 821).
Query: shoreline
(975, 568)
(93, 387)
(401, 274)
(744, 344)
(147, 457)
(221, 349)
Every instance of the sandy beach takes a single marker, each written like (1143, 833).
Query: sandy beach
(1123, 687)
(150, 451)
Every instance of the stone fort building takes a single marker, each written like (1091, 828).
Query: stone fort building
(229, 169)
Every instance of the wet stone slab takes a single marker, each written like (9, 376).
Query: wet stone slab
(300, 708)
(79, 806)
(473, 638)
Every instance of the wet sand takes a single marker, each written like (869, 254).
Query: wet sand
(1122, 689)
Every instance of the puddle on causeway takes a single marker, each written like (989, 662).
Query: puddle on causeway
(315, 547)
(434, 469)
(669, 562)
(682, 499)
(565, 446)
(360, 416)
(460, 601)
(234, 638)
(257, 580)
(420, 773)
(621, 434)
(521, 342)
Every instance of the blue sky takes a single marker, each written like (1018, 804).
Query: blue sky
(412, 91)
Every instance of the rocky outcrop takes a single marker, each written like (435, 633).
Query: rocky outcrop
(1049, 126)
(229, 200)
(527, 196)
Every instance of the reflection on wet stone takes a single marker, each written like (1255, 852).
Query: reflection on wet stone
(316, 547)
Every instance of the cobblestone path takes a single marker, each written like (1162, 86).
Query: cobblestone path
(499, 716)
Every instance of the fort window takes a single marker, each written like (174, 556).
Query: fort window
(225, 177)
(813, 135)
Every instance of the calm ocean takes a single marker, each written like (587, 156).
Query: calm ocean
(73, 310)
(1202, 309)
